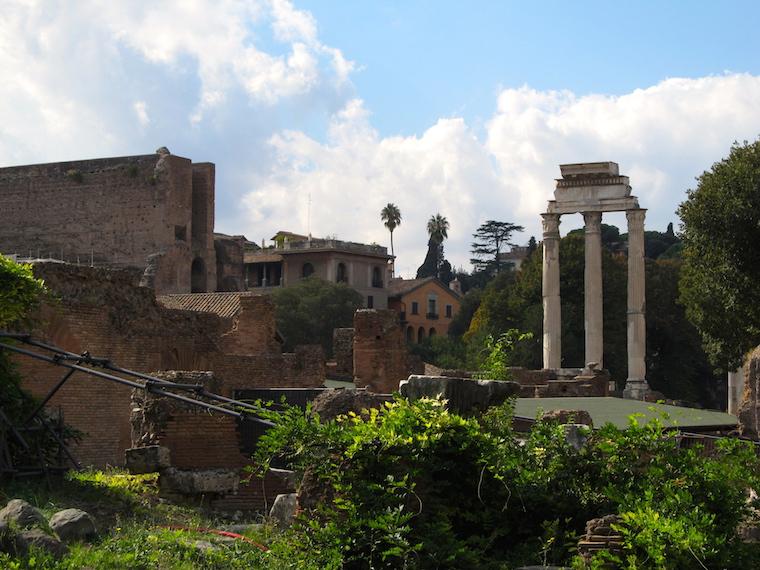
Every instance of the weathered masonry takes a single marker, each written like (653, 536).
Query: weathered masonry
(591, 189)
(154, 212)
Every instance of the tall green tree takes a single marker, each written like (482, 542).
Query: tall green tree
(307, 312)
(491, 238)
(720, 230)
(391, 217)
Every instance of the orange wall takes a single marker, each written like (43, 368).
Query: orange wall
(420, 295)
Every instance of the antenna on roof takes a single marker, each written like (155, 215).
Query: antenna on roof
(308, 217)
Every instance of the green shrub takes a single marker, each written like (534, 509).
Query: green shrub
(412, 485)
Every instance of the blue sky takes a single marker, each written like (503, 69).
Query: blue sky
(460, 108)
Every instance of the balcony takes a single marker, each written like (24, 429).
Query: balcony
(377, 283)
(431, 316)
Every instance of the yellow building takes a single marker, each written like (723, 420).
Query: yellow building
(426, 306)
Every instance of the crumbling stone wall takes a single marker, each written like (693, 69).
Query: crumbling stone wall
(115, 211)
(229, 262)
(343, 351)
(104, 312)
(749, 411)
(380, 356)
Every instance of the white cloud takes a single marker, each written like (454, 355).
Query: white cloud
(662, 137)
(72, 73)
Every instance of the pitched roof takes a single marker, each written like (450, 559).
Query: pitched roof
(226, 305)
(400, 287)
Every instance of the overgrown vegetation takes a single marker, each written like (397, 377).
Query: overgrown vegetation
(414, 486)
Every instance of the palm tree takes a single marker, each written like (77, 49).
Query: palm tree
(438, 228)
(391, 216)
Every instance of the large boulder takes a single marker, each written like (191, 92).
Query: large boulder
(284, 510)
(21, 514)
(39, 539)
(463, 395)
(72, 524)
(333, 403)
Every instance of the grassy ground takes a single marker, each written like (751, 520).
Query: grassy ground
(137, 530)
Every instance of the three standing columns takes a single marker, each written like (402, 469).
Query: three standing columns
(636, 384)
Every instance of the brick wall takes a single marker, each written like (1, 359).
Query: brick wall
(343, 350)
(201, 440)
(380, 356)
(105, 312)
(116, 211)
(229, 262)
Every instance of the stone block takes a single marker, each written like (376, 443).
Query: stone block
(148, 459)
(333, 403)
(187, 482)
(284, 510)
(463, 395)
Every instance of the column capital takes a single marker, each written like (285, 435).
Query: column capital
(593, 221)
(550, 224)
(636, 217)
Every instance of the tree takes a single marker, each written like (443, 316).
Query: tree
(391, 216)
(490, 238)
(438, 230)
(307, 312)
(720, 227)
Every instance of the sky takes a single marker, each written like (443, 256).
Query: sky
(319, 113)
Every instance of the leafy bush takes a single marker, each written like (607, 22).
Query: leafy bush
(412, 485)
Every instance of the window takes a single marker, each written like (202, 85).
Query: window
(307, 269)
(448, 311)
(415, 308)
(420, 334)
(370, 302)
(377, 280)
(409, 335)
(431, 334)
(432, 307)
(342, 274)
(180, 233)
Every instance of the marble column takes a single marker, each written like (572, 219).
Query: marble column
(550, 292)
(636, 385)
(593, 288)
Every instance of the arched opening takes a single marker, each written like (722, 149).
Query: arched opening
(420, 334)
(410, 334)
(342, 274)
(307, 269)
(377, 278)
(198, 276)
(431, 334)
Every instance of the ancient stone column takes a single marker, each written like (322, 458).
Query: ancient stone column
(550, 291)
(636, 385)
(735, 390)
(593, 288)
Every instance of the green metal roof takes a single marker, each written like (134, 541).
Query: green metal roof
(617, 410)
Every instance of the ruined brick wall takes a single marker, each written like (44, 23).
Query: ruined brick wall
(304, 368)
(229, 262)
(105, 312)
(202, 235)
(380, 356)
(254, 330)
(116, 211)
(202, 440)
(343, 350)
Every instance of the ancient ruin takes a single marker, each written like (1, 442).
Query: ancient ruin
(592, 189)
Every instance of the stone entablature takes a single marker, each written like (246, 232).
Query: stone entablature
(590, 189)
